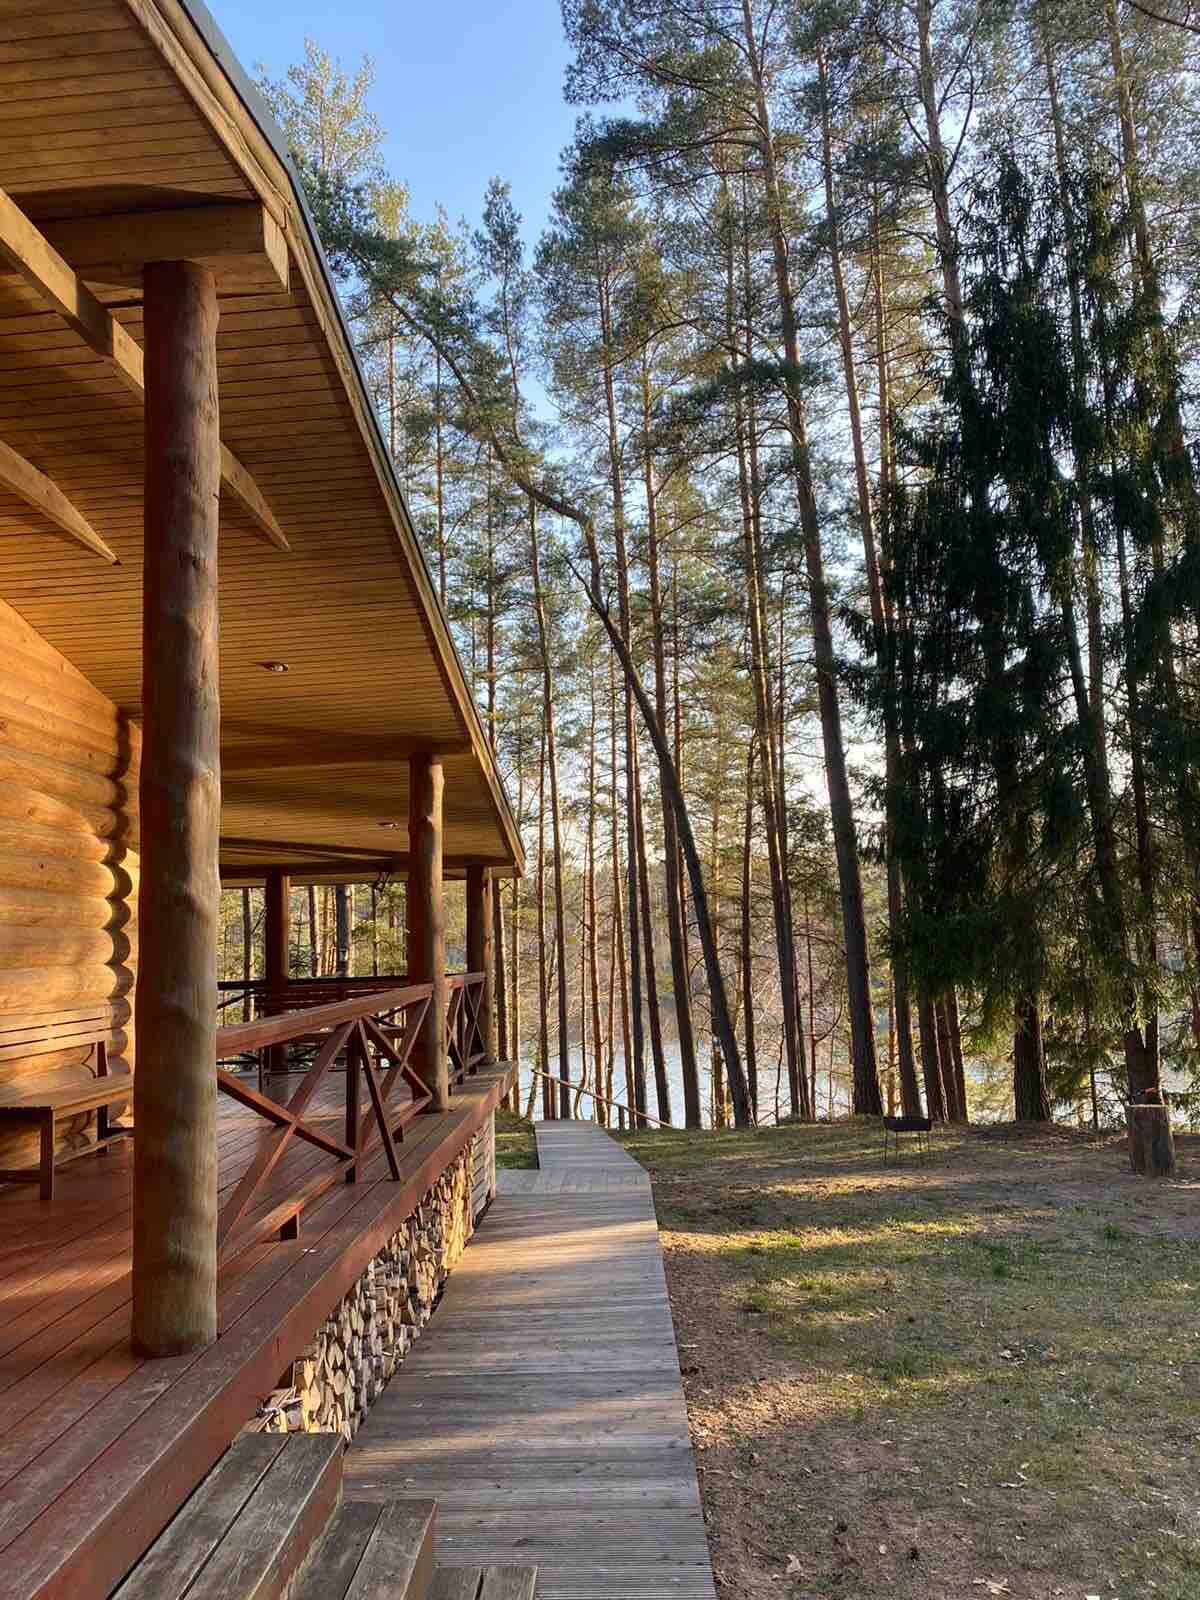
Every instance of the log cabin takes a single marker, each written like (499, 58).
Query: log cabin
(221, 656)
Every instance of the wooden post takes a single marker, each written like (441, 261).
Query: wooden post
(479, 953)
(276, 939)
(175, 1087)
(427, 921)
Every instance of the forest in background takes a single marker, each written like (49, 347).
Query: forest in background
(815, 505)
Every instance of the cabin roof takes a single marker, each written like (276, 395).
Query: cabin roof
(115, 108)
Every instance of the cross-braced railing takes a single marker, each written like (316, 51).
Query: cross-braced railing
(466, 1047)
(368, 1030)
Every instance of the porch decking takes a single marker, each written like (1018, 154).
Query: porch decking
(101, 1446)
(543, 1410)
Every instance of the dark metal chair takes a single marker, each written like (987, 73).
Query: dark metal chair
(893, 1127)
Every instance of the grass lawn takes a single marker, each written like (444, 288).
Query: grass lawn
(515, 1143)
(978, 1376)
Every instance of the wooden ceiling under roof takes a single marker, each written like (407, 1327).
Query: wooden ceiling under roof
(133, 109)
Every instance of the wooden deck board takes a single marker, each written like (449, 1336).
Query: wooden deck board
(102, 1446)
(543, 1409)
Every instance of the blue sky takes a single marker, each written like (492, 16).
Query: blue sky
(465, 89)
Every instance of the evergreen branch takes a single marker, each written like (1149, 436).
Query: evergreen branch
(1158, 16)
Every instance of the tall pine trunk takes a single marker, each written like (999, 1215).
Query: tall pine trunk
(866, 1098)
(590, 1000)
(747, 942)
(901, 1037)
(637, 1021)
(560, 925)
(680, 977)
(662, 1086)
(936, 1106)
(764, 711)
(247, 952)
(549, 1099)
(622, 974)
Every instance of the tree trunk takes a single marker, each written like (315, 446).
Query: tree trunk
(549, 1099)
(622, 984)
(1031, 1099)
(439, 458)
(937, 170)
(881, 620)
(247, 953)
(514, 1008)
(680, 977)
(590, 995)
(866, 1097)
(812, 1006)
(747, 938)
(560, 925)
(276, 966)
(631, 795)
(954, 1029)
(341, 899)
(1151, 1142)
(174, 1280)
(1142, 1064)
(764, 714)
(1089, 696)
(956, 1106)
(931, 1065)
(743, 1115)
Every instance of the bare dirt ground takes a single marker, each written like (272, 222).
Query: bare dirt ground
(976, 1376)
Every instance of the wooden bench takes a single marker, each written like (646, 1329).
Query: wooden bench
(60, 1093)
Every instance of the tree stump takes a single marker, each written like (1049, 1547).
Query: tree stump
(1151, 1142)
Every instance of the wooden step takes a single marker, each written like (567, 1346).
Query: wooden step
(484, 1583)
(246, 1530)
(372, 1552)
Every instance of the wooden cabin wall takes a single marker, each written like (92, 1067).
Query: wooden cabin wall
(68, 861)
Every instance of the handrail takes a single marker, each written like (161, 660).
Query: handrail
(238, 1037)
(366, 1028)
(617, 1105)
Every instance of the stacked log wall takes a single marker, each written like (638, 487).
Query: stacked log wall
(68, 862)
(370, 1331)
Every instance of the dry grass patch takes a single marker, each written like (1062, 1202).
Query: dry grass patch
(976, 1376)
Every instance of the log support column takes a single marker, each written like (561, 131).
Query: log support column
(175, 1087)
(427, 921)
(276, 920)
(480, 923)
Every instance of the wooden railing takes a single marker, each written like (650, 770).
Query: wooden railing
(369, 1030)
(623, 1111)
(299, 992)
(466, 1047)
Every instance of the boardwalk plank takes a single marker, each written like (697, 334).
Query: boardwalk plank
(543, 1408)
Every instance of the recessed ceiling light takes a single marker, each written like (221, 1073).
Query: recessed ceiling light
(389, 824)
(273, 666)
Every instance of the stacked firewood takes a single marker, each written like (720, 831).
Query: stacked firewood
(355, 1351)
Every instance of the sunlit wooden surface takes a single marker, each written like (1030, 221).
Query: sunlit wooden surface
(100, 1446)
(543, 1409)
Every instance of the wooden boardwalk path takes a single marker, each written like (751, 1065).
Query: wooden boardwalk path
(543, 1408)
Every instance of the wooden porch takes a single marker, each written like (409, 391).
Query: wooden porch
(221, 659)
(101, 1445)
